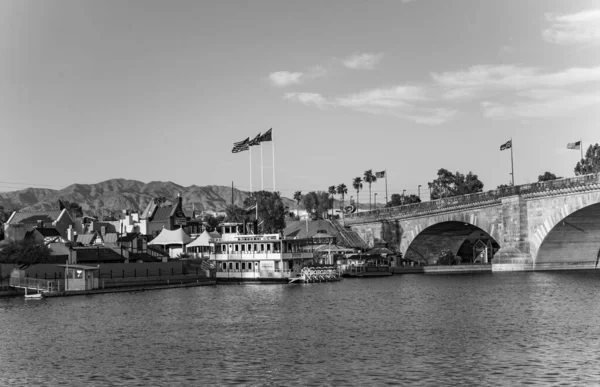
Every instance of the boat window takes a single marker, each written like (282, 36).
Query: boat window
(237, 248)
(237, 266)
(268, 247)
(223, 248)
(230, 265)
(262, 247)
(224, 266)
(243, 248)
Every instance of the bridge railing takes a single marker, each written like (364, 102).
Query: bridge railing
(493, 195)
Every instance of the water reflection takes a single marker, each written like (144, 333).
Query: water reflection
(513, 328)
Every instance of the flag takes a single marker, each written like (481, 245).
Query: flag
(268, 136)
(255, 140)
(506, 145)
(240, 146)
(380, 175)
(574, 145)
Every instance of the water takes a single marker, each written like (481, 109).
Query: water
(500, 329)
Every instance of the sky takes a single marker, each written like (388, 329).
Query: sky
(160, 90)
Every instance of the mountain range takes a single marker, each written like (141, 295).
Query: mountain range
(114, 195)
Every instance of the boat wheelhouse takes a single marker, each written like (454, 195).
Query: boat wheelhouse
(238, 256)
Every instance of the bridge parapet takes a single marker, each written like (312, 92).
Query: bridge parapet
(481, 199)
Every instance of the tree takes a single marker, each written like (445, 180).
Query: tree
(448, 184)
(370, 178)
(397, 200)
(342, 190)
(331, 192)
(4, 215)
(590, 162)
(298, 199)
(270, 209)
(547, 176)
(73, 209)
(357, 184)
(24, 253)
(316, 203)
(212, 222)
(234, 214)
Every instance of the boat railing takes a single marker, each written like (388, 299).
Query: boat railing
(36, 284)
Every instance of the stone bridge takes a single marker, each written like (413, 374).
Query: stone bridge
(553, 225)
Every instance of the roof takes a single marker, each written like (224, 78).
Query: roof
(48, 232)
(162, 214)
(110, 237)
(86, 239)
(345, 237)
(149, 210)
(81, 267)
(34, 217)
(130, 236)
(171, 237)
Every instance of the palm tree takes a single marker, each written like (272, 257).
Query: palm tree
(342, 190)
(370, 178)
(331, 191)
(298, 199)
(357, 184)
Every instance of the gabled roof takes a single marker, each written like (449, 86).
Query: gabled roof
(130, 236)
(86, 239)
(349, 238)
(48, 232)
(162, 214)
(149, 210)
(110, 237)
(33, 217)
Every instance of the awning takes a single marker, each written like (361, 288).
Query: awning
(171, 237)
(203, 240)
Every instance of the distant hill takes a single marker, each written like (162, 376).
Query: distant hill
(116, 195)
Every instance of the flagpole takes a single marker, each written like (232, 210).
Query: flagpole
(273, 145)
(512, 167)
(250, 149)
(386, 193)
(262, 171)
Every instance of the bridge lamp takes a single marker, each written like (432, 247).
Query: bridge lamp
(419, 189)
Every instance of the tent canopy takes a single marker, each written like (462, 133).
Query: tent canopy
(171, 237)
(203, 240)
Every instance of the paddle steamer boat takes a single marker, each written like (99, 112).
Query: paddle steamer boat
(240, 256)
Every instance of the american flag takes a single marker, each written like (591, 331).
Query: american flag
(241, 146)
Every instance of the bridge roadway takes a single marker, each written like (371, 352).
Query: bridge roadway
(552, 225)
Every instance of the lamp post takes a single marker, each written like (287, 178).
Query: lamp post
(375, 200)
(403, 191)
(419, 188)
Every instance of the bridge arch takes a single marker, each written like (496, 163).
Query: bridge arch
(569, 235)
(457, 236)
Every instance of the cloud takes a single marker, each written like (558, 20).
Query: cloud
(404, 102)
(315, 99)
(385, 97)
(363, 61)
(541, 105)
(285, 78)
(576, 28)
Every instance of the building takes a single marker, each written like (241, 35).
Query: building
(20, 223)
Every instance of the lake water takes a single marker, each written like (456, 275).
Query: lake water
(492, 329)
